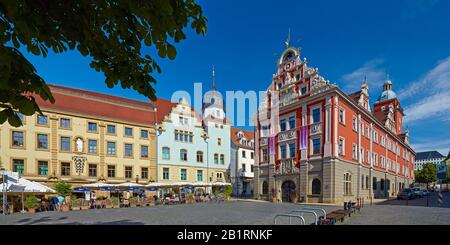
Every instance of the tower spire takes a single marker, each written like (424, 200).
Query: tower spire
(213, 86)
(288, 40)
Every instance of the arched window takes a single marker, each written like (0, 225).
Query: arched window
(316, 187)
(199, 156)
(347, 184)
(183, 155)
(166, 153)
(265, 188)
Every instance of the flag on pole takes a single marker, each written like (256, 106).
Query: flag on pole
(303, 137)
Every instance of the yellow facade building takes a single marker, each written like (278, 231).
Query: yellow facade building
(83, 137)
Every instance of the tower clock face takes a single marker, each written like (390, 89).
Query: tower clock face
(288, 66)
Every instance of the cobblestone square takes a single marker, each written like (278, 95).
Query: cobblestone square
(240, 213)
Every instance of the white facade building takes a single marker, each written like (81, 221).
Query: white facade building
(242, 161)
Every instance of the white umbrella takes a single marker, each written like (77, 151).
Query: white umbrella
(181, 184)
(199, 183)
(221, 184)
(28, 186)
(129, 184)
(157, 184)
(97, 185)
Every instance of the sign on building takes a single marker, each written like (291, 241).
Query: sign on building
(442, 171)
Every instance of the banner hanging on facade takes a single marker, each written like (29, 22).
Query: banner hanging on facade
(303, 137)
(271, 145)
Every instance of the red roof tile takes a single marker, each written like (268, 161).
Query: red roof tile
(235, 138)
(78, 101)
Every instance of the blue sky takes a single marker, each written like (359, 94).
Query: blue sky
(346, 40)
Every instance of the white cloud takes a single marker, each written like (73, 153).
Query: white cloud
(440, 145)
(434, 91)
(371, 69)
(435, 80)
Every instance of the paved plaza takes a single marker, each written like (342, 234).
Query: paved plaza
(239, 213)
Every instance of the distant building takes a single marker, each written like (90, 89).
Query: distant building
(242, 161)
(427, 157)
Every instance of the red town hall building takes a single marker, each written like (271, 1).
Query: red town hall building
(314, 143)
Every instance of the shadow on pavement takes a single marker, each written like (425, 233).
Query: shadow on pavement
(430, 201)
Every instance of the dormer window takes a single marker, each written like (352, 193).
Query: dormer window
(240, 135)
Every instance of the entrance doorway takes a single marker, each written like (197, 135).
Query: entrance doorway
(287, 187)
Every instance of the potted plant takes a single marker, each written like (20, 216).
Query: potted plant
(227, 191)
(132, 201)
(114, 202)
(274, 195)
(74, 203)
(31, 203)
(294, 197)
(64, 189)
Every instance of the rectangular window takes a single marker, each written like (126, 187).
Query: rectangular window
(303, 90)
(374, 183)
(111, 171)
(42, 120)
(111, 148)
(283, 125)
(65, 143)
(19, 166)
(291, 122)
(199, 156)
(265, 155)
(92, 127)
(111, 129)
(17, 138)
(316, 115)
(191, 137)
(354, 152)
(243, 168)
(92, 146)
(92, 170)
(65, 169)
(354, 124)
(292, 150)
(341, 146)
(42, 168)
(42, 141)
(219, 141)
(128, 172)
(222, 159)
(216, 158)
(165, 153)
(251, 168)
(128, 150)
(316, 146)
(252, 155)
(144, 133)
(183, 155)
(183, 174)
(64, 123)
(144, 151)
(176, 135)
(128, 132)
(342, 116)
(144, 173)
(199, 175)
(166, 173)
(243, 154)
(283, 152)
